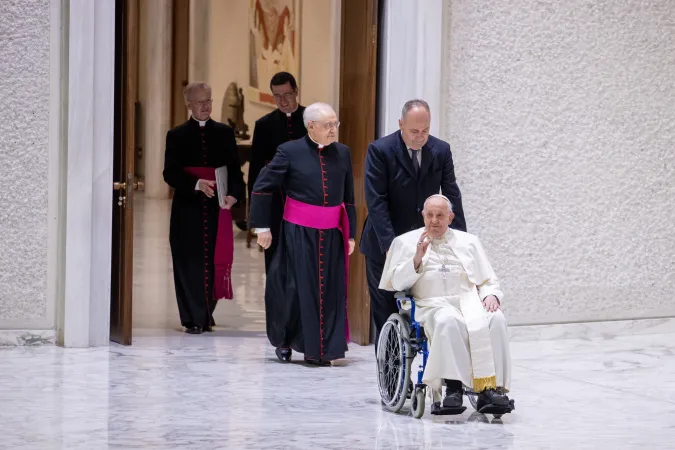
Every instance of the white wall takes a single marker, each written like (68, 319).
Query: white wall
(410, 60)
(56, 171)
(561, 119)
(24, 165)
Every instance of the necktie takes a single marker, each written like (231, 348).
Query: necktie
(415, 161)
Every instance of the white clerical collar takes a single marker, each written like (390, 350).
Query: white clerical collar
(201, 122)
(290, 113)
(445, 239)
(320, 145)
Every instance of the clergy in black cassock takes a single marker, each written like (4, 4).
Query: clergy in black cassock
(305, 294)
(201, 234)
(281, 125)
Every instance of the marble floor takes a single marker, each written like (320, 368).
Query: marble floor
(226, 390)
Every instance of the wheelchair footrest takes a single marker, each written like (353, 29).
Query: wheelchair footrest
(498, 409)
(438, 410)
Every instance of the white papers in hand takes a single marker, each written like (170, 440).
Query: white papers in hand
(221, 185)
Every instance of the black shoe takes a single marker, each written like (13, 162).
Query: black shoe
(315, 362)
(194, 330)
(209, 329)
(453, 399)
(492, 398)
(454, 393)
(284, 354)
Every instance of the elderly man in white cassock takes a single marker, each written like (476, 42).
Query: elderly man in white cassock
(458, 302)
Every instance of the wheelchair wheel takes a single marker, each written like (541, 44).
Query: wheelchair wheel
(473, 398)
(418, 403)
(394, 359)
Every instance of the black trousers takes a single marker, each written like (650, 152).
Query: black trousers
(382, 303)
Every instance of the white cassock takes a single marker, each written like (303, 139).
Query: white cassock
(467, 343)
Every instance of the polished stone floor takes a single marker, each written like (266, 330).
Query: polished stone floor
(225, 390)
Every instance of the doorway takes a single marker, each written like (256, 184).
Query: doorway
(357, 77)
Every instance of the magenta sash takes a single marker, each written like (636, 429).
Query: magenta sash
(224, 252)
(322, 218)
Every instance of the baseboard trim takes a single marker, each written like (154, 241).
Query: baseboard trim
(27, 338)
(592, 330)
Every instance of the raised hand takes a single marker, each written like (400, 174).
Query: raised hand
(422, 246)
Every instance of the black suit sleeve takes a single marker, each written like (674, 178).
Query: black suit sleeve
(377, 197)
(257, 156)
(174, 169)
(235, 179)
(451, 190)
(349, 197)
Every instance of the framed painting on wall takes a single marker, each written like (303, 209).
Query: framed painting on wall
(274, 45)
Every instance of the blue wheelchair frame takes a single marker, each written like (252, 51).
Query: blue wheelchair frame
(418, 343)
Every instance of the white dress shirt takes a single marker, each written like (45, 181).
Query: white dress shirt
(419, 155)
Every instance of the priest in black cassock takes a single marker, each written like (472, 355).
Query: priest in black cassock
(281, 125)
(201, 234)
(306, 290)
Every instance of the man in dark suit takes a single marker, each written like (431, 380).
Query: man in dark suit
(281, 125)
(402, 171)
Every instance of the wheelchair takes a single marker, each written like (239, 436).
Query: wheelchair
(401, 340)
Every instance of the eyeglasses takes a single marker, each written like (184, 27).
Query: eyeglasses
(204, 102)
(287, 96)
(328, 125)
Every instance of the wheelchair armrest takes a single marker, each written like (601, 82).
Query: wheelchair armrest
(401, 299)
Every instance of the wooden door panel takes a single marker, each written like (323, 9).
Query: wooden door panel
(358, 81)
(126, 95)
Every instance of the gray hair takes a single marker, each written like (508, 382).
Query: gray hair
(438, 196)
(415, 103)
(196, 86)
(316, 111)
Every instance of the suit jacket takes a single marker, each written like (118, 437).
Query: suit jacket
(395, 196)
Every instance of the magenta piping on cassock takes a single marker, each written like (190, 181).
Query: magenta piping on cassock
(322, 218)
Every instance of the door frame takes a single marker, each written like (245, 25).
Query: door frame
(124, 182)
(359, 60)
(358, 117)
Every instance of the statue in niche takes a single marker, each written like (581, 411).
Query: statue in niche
(233, 111)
